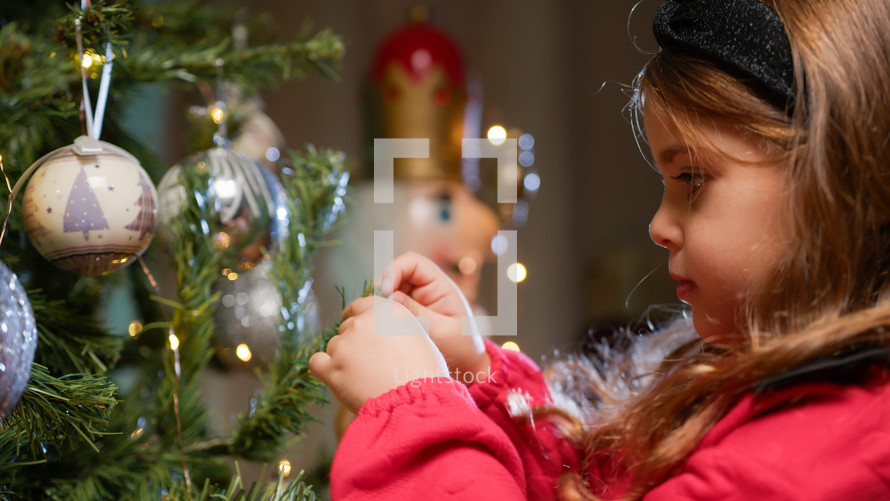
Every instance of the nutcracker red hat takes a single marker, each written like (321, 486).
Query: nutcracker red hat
(418, 90)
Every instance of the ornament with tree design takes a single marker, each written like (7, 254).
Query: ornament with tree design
(90, 208)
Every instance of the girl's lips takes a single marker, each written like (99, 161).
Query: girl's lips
(684, 289)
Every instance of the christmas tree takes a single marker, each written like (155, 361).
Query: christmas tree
(111, 413)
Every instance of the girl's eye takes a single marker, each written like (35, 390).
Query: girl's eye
(695, 181)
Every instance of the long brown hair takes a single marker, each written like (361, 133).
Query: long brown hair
(830, 291)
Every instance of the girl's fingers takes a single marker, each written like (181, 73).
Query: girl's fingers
(319, 364)
(357, 307)
(413, 306)
(406, 272)
(333, 342)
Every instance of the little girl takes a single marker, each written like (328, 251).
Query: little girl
(769, 122)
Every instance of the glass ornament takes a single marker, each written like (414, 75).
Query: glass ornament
(248, 318)
(243, 205)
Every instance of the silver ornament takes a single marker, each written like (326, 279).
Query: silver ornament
(245, 205)
(18, 340)
(248, 318)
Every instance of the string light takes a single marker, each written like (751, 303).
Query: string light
(516, 272)
(497, 135)
(222, 240)
(499, 245)
(135, 328)
(284, 467)
(510, 346)
(242, 351)
(217, 114)
(174, 342)
(86, 61)
(532, 182)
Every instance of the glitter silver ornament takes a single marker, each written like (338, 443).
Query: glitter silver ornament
(18, 340)
(245, 205)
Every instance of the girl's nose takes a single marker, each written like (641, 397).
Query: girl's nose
(664, 229)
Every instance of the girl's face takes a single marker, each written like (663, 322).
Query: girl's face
(721, 217)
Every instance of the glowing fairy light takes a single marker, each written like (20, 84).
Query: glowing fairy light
(526, 141)
(273, 154)
(499, 245)
(222, 240)
(531, 182)
(284, 467)
(516, 272)
(174, 342)
(135, 328)
(242, 351)
(510, 346)
(86, 61)
(497, 135)
(217, 114)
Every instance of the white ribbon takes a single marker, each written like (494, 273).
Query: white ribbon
(94, 123)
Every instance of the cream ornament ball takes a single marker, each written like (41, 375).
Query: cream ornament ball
(90, 207)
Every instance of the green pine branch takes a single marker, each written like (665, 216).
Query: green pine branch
(40, 88)
(316, 186)
(55, 413)
(134, 443)
(255, 66)
(70, 341)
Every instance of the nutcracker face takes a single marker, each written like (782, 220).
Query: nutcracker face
(446, 223)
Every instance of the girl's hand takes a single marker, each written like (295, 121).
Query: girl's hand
(417, 283)
(360, 364)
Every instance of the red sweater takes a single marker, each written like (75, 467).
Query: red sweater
(439, 440)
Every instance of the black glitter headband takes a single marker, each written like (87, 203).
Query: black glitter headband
(742, 35)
